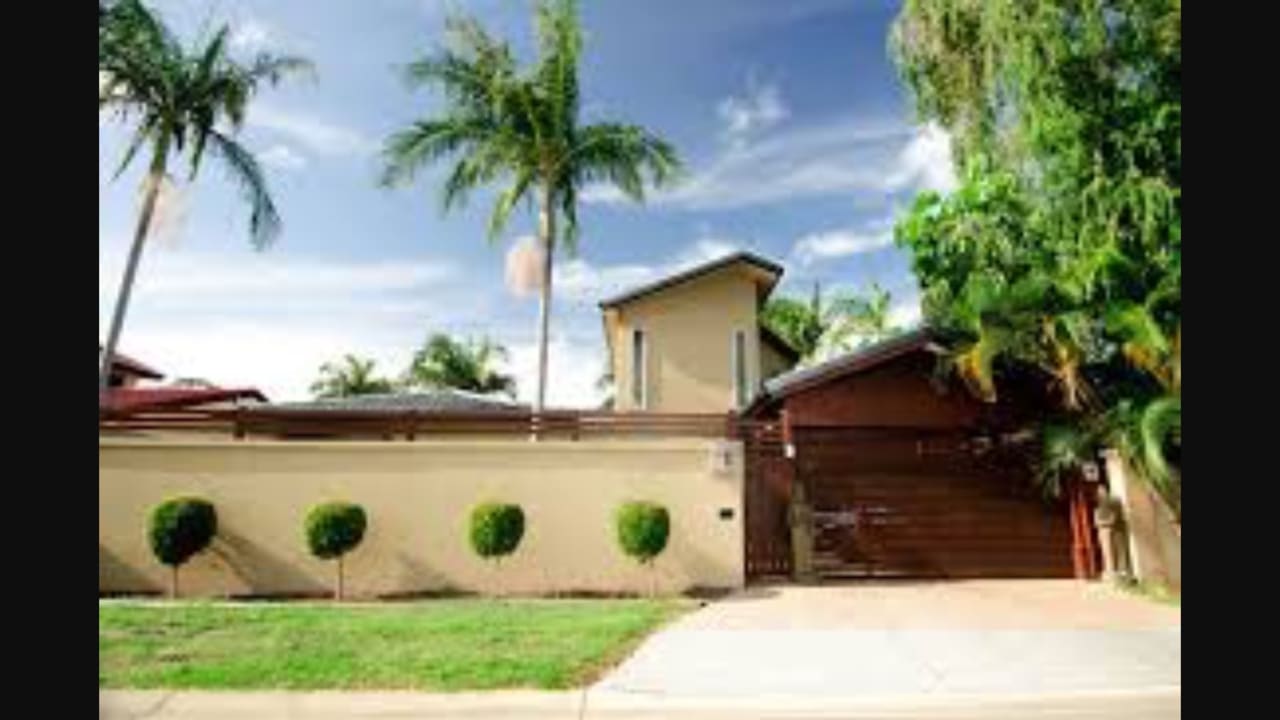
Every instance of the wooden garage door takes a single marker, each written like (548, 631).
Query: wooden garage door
(916, 504)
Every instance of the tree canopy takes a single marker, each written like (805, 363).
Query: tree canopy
(444, 362)
(1061, 249)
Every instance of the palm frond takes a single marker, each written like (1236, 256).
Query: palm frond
(620, 155)
(408, 151)
(243, 168)
(559, 45)
(272, 69)
(145, 132)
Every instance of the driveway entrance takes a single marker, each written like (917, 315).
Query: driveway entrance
(889, 639)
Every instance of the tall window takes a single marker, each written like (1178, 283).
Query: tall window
(639, 369)
(740, 383)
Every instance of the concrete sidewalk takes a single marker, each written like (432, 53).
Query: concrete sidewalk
(602, 705)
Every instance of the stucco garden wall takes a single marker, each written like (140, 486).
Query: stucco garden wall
(418, 497)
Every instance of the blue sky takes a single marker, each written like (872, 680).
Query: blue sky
(798, 140)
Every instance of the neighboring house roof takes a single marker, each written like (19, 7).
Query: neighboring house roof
(859, 360)
(127, 364)
(443, 400)
(171, 398)
(770, 267)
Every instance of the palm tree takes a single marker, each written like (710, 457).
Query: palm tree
(823, 326)
(447, 363)
(857, 320)
(351, 376)
(185, 101)
(521, 127)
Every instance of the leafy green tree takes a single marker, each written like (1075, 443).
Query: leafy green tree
(824, 325)
(520, 127)
(465, 365)
(334, 529)
(1060, 252)
(179, 529)
(186, 101)
(349, 377)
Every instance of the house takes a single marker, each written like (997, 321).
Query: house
(132, 389)
(127, 372)
(899, 471)
(692, 342)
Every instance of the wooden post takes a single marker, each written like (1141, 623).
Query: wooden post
(1077, 541)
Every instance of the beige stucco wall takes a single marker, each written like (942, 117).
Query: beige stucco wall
(1153, 546)
(418, 496)
(772, 362)
(690, 338)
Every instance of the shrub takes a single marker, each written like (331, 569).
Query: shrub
(180, 528)
(334, 529)
(496, 529)
(643, 529)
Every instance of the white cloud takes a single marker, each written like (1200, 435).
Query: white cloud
(926, 161)
(283, 158)
(841, 158)
(268, 320)
(248, 277)
(580, 280)
(280, 359)
(840, 243)
(758, 110)
(905, 312)
(572, 370)
(310, 131)
(252, 34)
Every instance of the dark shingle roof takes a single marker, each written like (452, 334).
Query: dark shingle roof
(444, 400)
(850, 362)
(693, 272)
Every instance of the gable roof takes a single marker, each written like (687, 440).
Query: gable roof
(742, 256)
(862, 359)
(126, 364)
(441, 400)
(170, 398)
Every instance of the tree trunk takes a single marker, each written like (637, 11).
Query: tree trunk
(338, 593)
(546, 236)
(151, 191)
(173, 582)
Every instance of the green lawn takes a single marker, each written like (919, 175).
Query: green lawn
(455, 644)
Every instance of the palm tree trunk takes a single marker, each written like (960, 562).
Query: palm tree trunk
(151, 192)
(546, 236)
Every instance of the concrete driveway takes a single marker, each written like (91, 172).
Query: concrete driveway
(881, 640)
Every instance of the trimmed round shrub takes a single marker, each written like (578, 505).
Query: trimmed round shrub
(181, 527)
(643, 529)
(335, 529)
(496, 529)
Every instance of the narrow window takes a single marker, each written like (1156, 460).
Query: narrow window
(740, 383)
(639, 370)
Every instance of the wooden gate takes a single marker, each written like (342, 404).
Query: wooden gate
(914, 503)
(766, 501)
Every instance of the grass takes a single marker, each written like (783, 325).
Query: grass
(437, 645)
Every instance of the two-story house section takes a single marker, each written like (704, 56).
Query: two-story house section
(693, 342)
